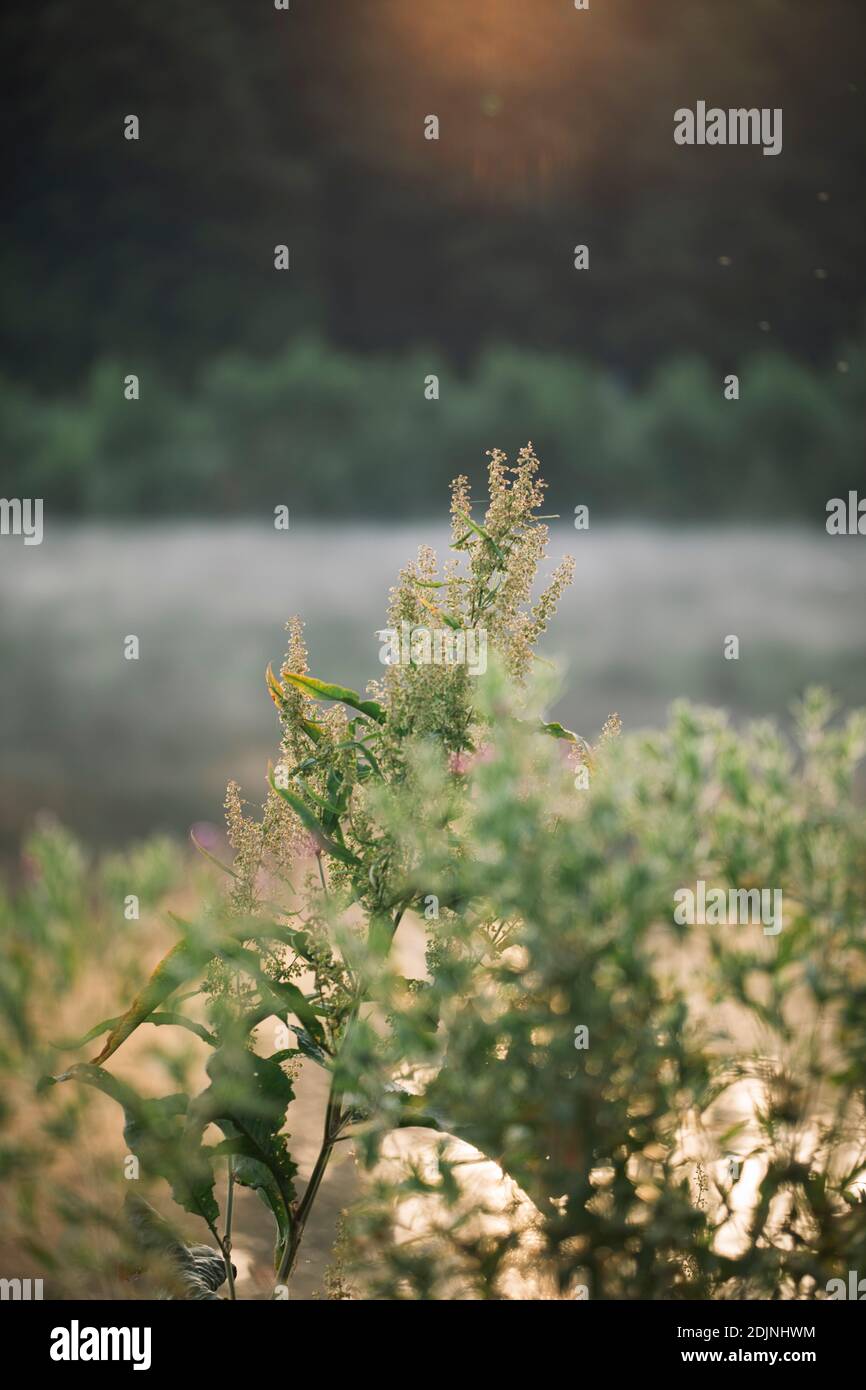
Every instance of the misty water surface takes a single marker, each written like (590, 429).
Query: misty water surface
(118, 747)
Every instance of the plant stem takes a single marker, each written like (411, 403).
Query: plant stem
(227, 1239)
(330, 1135)
(329, 1138)
(224, 1252)
(322, 873)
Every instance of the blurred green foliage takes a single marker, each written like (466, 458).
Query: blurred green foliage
(704, 1046)
(330, 432)
(64, 937)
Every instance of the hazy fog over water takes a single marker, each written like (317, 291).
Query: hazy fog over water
(119, 747)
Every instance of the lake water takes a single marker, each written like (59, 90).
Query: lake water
(120, 747)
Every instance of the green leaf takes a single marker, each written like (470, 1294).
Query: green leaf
(276, 996)
(181, 964)
(558, 731)
(380, 934)
(206, 854)
(299, 942)
(251, 1167)
(156, 1133)
(414, 1112)
(72, 1045)
(254, 929)
(483, 533)
(317, 759)
(298, 1004)
(248, 1098)
(163, 1018)
(309, 821)
(332, 811)
(308, 1047)
(321, 690)
(312, 730)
